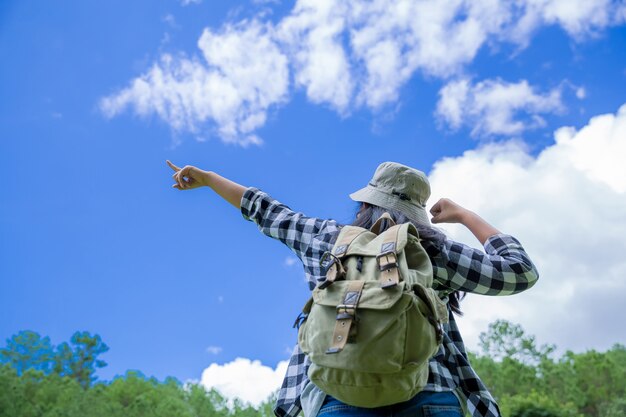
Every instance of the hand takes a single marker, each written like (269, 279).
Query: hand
(447, 211)
(188, 177)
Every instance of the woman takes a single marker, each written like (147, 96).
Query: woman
(504, 268)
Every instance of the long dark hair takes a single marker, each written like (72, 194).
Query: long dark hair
(365, 216)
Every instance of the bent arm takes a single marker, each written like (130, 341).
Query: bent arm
(225, 188)
(447, 211)
(478, 226)
(503, 269)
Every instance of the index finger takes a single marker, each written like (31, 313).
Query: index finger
(174, 167)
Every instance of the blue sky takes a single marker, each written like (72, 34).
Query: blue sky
(303, 100)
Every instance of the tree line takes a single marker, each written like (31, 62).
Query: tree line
(38, 379)
(531, 381)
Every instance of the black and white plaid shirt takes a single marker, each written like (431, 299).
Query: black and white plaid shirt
(504, 269)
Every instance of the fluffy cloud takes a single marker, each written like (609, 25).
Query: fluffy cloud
(312, 33)
(247, 380)
(389, 41)
(567, 207)
(392, 40)
(491, 106)
(578, 19)
(242, 75)
(344, 54)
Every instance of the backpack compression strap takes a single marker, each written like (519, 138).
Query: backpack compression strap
(346, 312)
(388, 259)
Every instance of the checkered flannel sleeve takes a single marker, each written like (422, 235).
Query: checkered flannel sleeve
(503, 269)
(278, 221)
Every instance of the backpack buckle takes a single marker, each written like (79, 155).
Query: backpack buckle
(346, 311)
(345, 327)
(325, 256)
(389, 267)
(383, 266)
(334, 269)
(348, 308)
(334, 259)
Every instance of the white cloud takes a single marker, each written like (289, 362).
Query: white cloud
(188, 2)
(388, 41)
(247, 380)
(214, 350)
(290, 261)
(493, 107)
(243, 74)
(394, 39)
(312, 33)
(567, 207)
(345, 54)
(578, 19)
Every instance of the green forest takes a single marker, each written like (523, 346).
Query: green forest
(38, 379)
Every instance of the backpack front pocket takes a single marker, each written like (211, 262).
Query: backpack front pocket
(378, 339)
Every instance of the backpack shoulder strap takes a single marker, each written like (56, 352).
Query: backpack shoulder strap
(345, 238)
(387, 257)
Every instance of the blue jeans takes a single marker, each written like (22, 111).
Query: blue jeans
(424, 404)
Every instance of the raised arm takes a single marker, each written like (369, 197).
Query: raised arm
(273, 218)
(503, 269)
(190, 177)
(447, 211)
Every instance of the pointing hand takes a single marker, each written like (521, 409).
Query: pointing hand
(188, 177)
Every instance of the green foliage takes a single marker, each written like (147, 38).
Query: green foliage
(27, 350)
(536, 404)
(507, 376)
(37, 380)
(79, 360)
(504, 339)
(615, 408)
(35, 394)
(206, 403)
(600, 377)
(527, 382)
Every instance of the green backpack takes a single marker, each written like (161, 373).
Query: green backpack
(372, 325)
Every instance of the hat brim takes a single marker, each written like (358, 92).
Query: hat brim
(376, 197)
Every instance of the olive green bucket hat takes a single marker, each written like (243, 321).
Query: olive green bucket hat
(398, 187)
